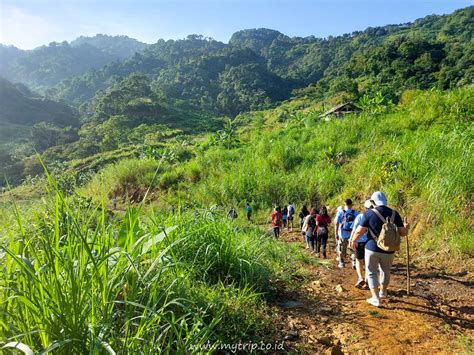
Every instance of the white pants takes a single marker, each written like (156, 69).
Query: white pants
(375, 261)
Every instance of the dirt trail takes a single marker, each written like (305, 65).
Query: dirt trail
(318, 318)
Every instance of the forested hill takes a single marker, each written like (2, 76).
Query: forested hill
(259, 67)
(46, 66)
(117, 46)
(21, 106)
(30, 123)
(182, 87)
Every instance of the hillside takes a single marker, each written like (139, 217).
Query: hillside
(291, 154)
(130, 117)
(46, 66)
(167, 249)
(22, 107)
(29, 123)
(185, 84)
(260, 67)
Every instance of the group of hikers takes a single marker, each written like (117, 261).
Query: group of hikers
(373, 236)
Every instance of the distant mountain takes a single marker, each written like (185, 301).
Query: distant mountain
(19, 106)
(8, 56)
(46, 66)
(30, 123)
(259, 67)
(256, 39)
(129, 93)
(117, 46)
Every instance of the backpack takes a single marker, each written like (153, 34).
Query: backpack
(323, 229)
(277, 219)
(348, 221)
(389, 238)
(306, 223)
(291, 210)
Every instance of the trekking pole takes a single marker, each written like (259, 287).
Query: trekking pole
(408, 263)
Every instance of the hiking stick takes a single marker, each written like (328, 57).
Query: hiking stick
(408, 264)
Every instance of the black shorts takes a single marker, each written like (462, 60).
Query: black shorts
(290, 217)
(360, 251)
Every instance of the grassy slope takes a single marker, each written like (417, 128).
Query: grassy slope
(140, 281)
(420, 154)
(91, 278)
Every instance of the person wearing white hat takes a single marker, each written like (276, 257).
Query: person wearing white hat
(375, 257)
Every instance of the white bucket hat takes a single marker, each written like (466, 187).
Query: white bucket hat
(379, 198)
(368, 204)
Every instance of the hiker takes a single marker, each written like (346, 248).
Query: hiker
(248, 211)
(303, 213)
(4, 189)
(359, 251)
(277, 219)
(322, 231)
(291, 216)
(309, 228)
(114, 203)
(343, 229)
(232, 214)
(384, 227)
(285, 216)
(339, 209)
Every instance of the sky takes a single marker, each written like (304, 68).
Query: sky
(30, 23)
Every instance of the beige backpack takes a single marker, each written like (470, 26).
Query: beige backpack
(389, 238)
(305, 223)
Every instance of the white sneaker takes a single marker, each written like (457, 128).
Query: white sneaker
(373, 301)
(341, 265)
(383, 293)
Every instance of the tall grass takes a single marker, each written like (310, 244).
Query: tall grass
(420, 153)
(79, 279)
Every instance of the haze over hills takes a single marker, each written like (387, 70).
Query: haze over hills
(118, 84)
(261, 66)
(45, 66)
(22, 107)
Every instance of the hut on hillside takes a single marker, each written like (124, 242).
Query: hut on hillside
(341, 110)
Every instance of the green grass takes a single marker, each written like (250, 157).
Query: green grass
(420, 153)
(76, 278)
(175, 273)
(465, 344)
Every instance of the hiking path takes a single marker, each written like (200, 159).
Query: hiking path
(328, 314)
